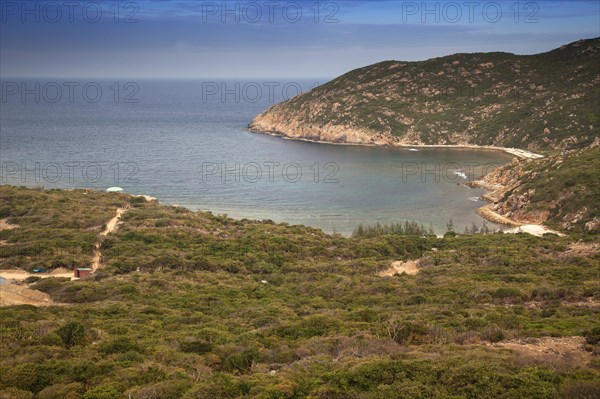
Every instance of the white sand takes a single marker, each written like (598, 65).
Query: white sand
(533, 229)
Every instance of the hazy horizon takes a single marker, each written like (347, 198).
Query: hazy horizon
(252, 40)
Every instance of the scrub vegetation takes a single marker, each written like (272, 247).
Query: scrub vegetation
(195, 305)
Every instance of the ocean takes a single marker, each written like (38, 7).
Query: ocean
(185, 142)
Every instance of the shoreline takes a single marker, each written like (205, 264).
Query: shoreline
(488, 213)
(519, 153)
(492, 191)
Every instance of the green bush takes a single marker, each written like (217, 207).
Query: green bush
(52, 339)
(63, 391)
(106, 391)
(494, 335)
(119, 345)
(72, 333)
(581, 390)
(197, 347)
(507, 293)
(27, 377)
(241, 362)
(415, 300)
(131, 357)
(408, 332)
(217, 386)
(14, 393)
(593, 336)
(173, 388)
(313, 326)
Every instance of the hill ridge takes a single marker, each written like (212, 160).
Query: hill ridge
(540, 102)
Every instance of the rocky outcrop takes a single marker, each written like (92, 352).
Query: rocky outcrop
(558, 190)
(290, 127)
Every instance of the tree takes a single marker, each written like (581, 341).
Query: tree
(474, 229)
(450, 226)
(485, 229)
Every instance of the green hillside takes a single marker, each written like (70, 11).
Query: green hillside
(540, 102)
(194, 305)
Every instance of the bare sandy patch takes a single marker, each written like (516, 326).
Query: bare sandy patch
(547, 348)
(410, 267)
(111, 226)
(61, 271)
(4, 225)
(14, 274)
(20, 275)
(581, 249)
(533, 229)
(513, 151)
(13, 294)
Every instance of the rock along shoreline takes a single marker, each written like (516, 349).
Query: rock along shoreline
(519, 153)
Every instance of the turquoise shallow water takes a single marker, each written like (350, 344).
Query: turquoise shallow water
(192, 150)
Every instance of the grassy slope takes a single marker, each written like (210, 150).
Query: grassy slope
(57, 229)
(197, 322)
(540, 102)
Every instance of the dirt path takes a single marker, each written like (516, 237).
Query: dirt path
(411, 268)
(20, 275)
(15, 294)
(111, 227)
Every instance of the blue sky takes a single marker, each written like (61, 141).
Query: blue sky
(270, 39)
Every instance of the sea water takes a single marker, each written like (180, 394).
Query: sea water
(185, 142)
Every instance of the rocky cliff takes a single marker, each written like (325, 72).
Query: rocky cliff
(541, 102)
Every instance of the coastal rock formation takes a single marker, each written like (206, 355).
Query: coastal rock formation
(560, 191)
(540, 102)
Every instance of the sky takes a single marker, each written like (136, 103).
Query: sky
(270, 38)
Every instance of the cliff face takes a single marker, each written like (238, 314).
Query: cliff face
(541, 102)
(561, 191)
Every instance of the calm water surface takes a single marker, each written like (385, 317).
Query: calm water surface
(186, 147)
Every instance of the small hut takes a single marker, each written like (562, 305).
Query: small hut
(82, 272)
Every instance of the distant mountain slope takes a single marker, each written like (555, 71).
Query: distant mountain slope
(560, 191)
(541, 102)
